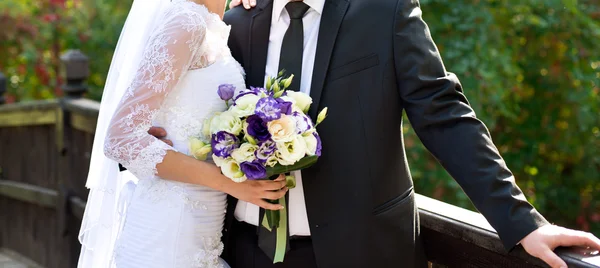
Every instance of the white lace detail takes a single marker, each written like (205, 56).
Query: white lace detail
(177, 44)
(208, 256)
(215, 45)
(159, 190)
(185, 126)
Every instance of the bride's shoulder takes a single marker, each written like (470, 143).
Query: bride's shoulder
(188, 12)
(190, 7)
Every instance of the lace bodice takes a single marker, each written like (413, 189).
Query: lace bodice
(188, 39)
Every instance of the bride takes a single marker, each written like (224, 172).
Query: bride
(168, 209)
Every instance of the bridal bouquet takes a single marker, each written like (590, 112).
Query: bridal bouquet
(264, 132)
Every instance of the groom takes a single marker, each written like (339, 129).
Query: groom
(369, 61)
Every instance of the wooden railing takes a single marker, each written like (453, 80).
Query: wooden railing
(44, 159)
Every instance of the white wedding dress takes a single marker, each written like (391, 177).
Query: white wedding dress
(167, 223)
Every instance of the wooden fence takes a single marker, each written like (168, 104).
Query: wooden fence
(45, 150)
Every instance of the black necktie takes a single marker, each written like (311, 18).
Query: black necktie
(292, 46)
(290, 60)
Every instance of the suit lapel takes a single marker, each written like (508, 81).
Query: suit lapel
(331, 20)
(260, 29)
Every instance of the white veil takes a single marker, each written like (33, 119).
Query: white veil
(110, 189)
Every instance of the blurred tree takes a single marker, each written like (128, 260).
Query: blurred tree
(33, 33)
(531, 70)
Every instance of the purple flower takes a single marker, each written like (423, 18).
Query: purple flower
(265, 150)
(268, 109)
(303, 122)
(253, 170)
(259, 90)
(243, 93)
(226, 91)
(319, 145)
(285, 106)
(223, 143)
(257, 128)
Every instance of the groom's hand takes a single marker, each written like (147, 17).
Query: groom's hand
(161, 134)
(541, 243)
(248, 4)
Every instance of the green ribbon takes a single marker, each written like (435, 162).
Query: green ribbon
(281, 244)
(277, 220)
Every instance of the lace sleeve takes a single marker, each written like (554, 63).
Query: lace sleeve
(167, 57)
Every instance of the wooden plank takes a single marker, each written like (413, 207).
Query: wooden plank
(59, 131)
(467, 225)
(450, 232)
(82, 106)
(30, 105)
(27, 118)
(31, 230)
(451, 211)
(40, 196)
(83, 123)
(450, 251)
(33, 194)
(77, 206)
(28, 113)
(579, 257)
(12, 259)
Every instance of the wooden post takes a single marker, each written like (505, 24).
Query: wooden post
(2, 88)
(77, 71)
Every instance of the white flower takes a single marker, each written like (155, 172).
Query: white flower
(301, 100)
(303, 124)
(206, 127)
(245, 153)
(272, 160)
(288, 153)
(245, 105)
(231, 169)
(226, 121)
(295, 107)
(219, 162)
(311, 144)
(199, 149)
(282, 129)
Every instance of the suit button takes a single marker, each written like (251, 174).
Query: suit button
(317, 226)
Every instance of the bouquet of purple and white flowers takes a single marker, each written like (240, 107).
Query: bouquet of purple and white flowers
(263, 133)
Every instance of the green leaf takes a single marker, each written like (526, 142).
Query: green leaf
(302, 164)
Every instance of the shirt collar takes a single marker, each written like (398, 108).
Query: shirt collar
(279, 5)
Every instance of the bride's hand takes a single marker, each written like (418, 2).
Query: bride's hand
(248, 4)
(161, 134)
(256, 191)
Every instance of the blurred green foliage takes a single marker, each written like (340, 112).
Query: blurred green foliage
(531, 70)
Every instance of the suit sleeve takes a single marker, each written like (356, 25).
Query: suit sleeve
(446, 124)
(233, 18)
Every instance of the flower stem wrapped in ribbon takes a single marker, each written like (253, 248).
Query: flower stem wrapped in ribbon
(263, 133)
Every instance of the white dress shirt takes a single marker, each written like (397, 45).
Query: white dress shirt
(298, 219)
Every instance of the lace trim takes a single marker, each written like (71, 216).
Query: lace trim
(208, 257)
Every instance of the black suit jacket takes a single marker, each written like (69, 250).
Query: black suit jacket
(376, 59)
